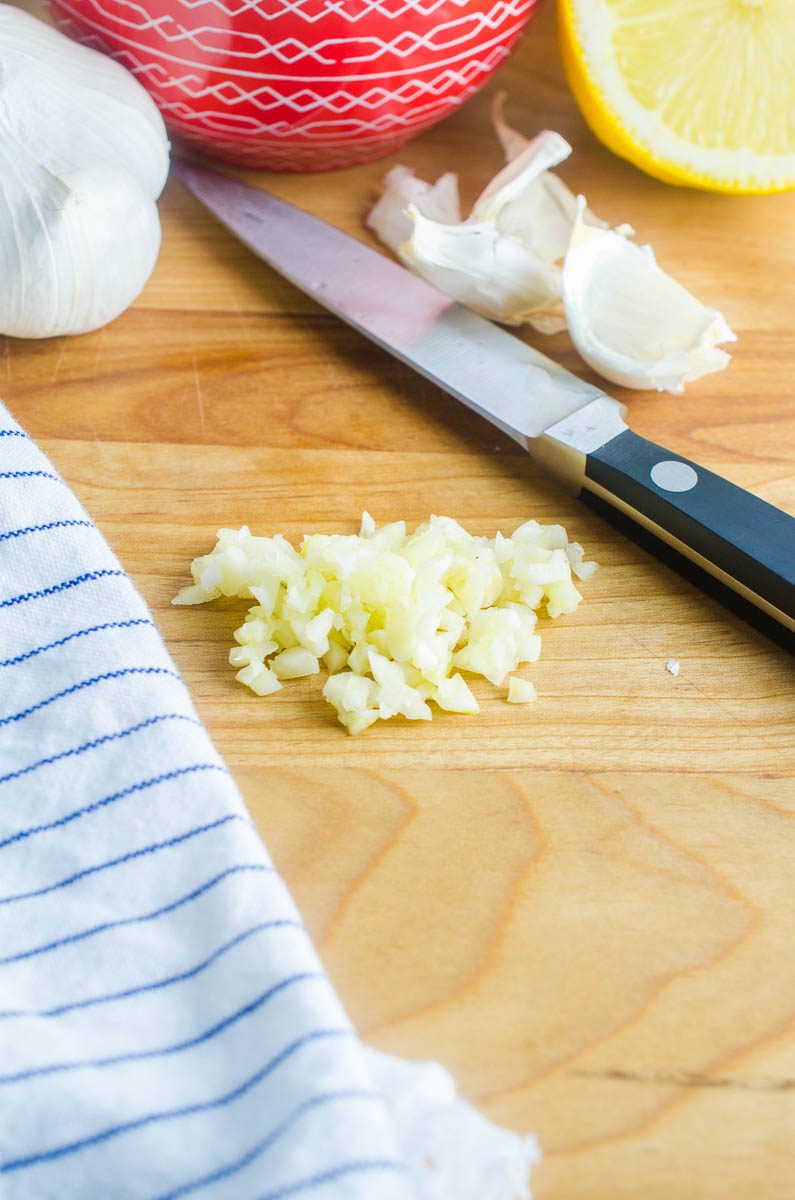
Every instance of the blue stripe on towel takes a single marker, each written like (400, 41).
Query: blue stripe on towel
(139, 918)
(270, 1139)
(207, 1035)
(86, 683)
(31, 475)
(130, 856)
(65, 584)
(95, 743)
(345, 1170)
(96, 805)
(78, 633)
(184, 1110)
(45, 528)
(156, 985)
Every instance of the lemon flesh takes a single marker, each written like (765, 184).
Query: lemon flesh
(695, 92)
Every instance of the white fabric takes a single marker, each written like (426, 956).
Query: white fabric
(166, 1029)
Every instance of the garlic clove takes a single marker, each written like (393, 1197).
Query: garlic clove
(439, 201)
(497, 262)
(631, 321)
(528, 204)
(489, 262)
(475, 264)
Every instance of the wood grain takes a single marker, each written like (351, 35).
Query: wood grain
(585, 908)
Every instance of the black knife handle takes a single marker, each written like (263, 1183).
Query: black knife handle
(743, 542)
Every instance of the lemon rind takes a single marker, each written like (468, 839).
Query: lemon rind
(616, 133)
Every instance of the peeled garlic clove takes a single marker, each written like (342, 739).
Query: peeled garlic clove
(475, 264)
(85, 155)
(439, 201)
(478, 262)
(503, 261)
(520, 691)
(630, 321)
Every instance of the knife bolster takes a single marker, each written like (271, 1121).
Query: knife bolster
(564, 447)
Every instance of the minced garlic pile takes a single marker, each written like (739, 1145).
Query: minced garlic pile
(393, 617)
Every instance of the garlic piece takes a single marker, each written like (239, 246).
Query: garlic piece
(630, 321)
(520, 691)
(85, 155)
(439, 201)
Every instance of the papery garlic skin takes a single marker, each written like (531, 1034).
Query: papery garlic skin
(504, 260)
(526, 200)
(439, 201)
(84, 155)
(631, 321)
(512, 141)
(519, 202)
(500, 261)
(531, 251)
(474, 263)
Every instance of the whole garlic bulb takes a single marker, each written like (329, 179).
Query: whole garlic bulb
(84, 156)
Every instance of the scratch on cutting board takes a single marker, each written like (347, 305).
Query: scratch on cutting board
(99, 348)
(691, 1079)
(61, 353)
(199, 397)
(242, 320)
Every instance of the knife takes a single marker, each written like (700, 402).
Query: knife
(734, 545)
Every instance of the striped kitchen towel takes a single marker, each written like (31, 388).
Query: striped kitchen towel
(166, 1029)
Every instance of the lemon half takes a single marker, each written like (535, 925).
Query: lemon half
(694, 92)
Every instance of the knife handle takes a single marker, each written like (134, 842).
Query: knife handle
(745, 544)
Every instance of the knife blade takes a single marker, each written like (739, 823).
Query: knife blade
(730, 542)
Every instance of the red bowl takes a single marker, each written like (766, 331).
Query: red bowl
(301, 85)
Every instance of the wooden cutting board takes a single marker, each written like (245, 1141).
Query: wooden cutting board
(584, 907)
